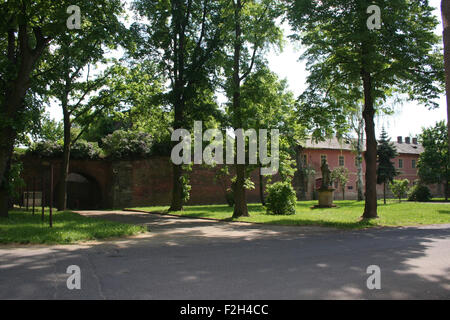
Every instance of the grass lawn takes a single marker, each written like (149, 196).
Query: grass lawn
(68, 227)
(346, 216)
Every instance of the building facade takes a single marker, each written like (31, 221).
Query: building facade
(342, 154)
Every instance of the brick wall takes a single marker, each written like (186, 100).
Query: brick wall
(149, 182)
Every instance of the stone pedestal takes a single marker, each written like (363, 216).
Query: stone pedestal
(326, 197)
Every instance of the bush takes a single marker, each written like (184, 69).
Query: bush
(127, 144)
(46, 149)
(85, 150)
(419, 193)
(399, 188)
(281, 199)
(79, 150)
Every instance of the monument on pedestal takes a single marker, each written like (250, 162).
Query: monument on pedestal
(326, 192)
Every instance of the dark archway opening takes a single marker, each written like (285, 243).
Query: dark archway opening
(83, 193)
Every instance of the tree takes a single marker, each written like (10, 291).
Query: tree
(26, 31)
(352, 99)
(398, 58)
(22, 44)
(50, 130)
(399, 188)
(357, 124)
(340, 175)
(251, 29)
(184, 37)
(386, 171)
(73, 83)
(445, 10)
(267, 104)
(434, 163)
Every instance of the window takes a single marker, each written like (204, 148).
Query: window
(400, 163)
(341, 161)
(304, 159)
(413, 164)
(323, 157)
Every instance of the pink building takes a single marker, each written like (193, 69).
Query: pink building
(341, 153)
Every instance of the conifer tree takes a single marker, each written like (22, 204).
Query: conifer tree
(386, 171)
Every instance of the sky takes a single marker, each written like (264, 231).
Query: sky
(408, 120)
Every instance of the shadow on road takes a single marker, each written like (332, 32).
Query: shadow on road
(210, 260)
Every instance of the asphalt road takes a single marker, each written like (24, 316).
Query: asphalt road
(197, 259)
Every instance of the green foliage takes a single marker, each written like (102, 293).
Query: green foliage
(185, 183)
(105, 124)
(340, 175)
(186, 193)
(81, 150)
(46, 149)
(127, 145)
(399, 188)
(419, 192)
(15, 180)
(281, 198)
(386, 152)
(403, 56)
(434, 162)
(229, 195)
(50, 130)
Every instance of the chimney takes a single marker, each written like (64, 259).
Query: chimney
(414, 140)
(407, 140)
(400, 139)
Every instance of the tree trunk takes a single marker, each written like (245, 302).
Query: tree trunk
(384, 192)
(359, 161)
(14, 93)
(240, 203)
(301, 179)
(370, 208)
(4, 202)
(445, 9)
(8, 142)
(62, 192)
(178, 102)
(6, 150)
(446, 190)
(261, 188)
(4, 193)
(23, 58)
(177, 189)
